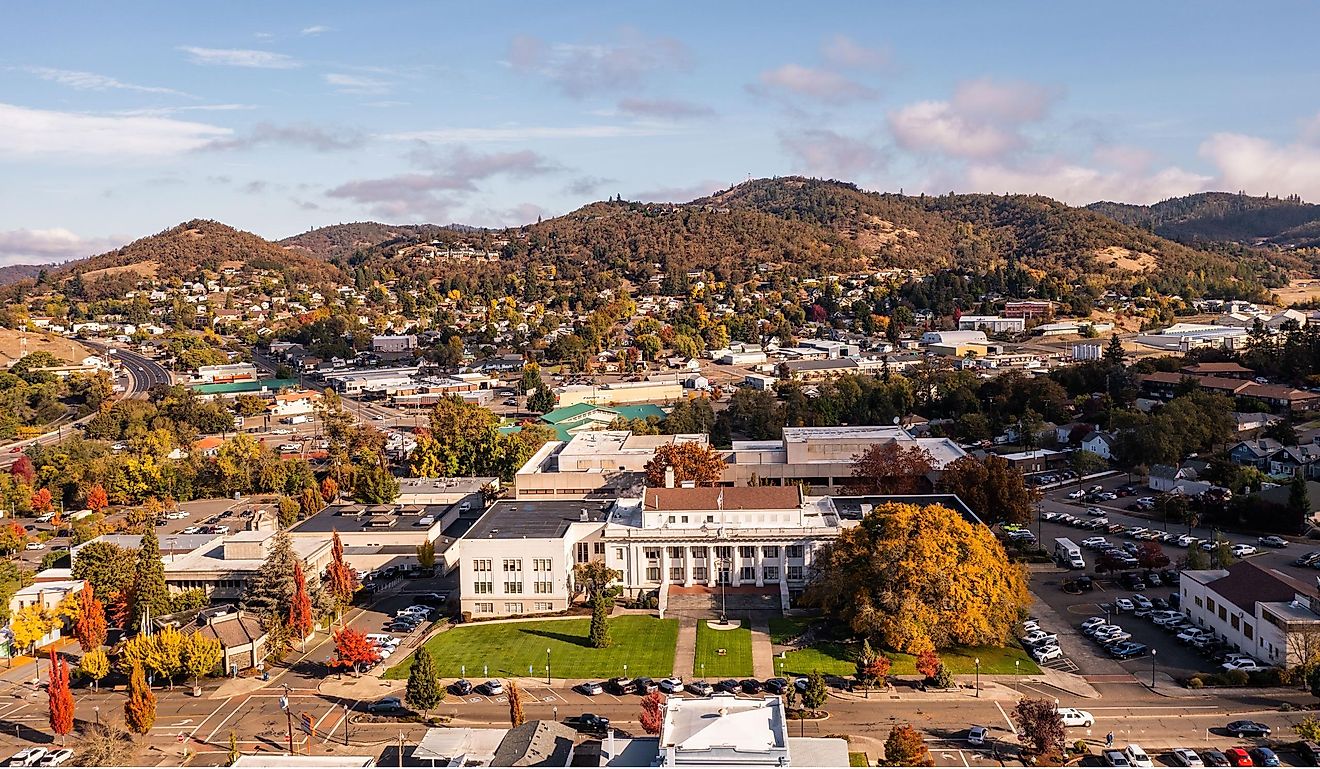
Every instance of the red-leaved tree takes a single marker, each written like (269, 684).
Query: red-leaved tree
(41, 500)
(97, 499)
(343, 582)
(90, 627)
(353, 651)
(24, 470)
(888, 468)
(300, 609)
(653, 712)
(928, 663)
(61, 699)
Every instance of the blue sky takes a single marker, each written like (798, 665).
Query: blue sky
(119, 120)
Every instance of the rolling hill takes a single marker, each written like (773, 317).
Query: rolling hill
(343, 240)
(1224, 217)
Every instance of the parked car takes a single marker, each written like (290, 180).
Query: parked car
(491, 688)
(1185, 757)
(1142, 602)
(58, 757)
(1214, 757)
(619, 685)
(1263, 757)
(27, 757)
(462, 687)
(386, 705)
(1115, 758)
(1243, 550)
(1272, 541)
(1137, 757)
(1250, 666)
(1091, 623)
(1075, 717)
(590, 722)
(700, 688)
(1126, 650)
(590, 688)
(1238, 757)
(776, 686)
(750, 686)
(1307, 559)
(1245, 728)
(1043, 654)
(1039, 637)
(645, 686)
(1125, 604)
(978, 735)
(1078, 494)
(671, 685)
(729, 685)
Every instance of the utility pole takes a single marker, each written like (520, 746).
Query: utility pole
(288, 715)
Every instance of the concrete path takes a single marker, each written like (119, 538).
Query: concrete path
(685, 650)
(763, 652)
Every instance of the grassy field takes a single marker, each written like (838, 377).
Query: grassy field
(838, 659)
(857, 759)
(644, 644)
(785, 629)
(737, 660)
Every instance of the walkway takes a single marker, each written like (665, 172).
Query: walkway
(763, 652)
(685, 649)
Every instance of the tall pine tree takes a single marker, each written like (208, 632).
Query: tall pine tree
(140, 709)
(424, 690)
(270, 592)
(150, 596)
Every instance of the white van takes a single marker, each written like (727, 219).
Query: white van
(1136, 756)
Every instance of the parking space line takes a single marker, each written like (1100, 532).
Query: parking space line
(1007, 720)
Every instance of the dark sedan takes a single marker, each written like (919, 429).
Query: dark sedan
(1243, 729)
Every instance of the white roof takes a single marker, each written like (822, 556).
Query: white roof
(744, 725)
(280, 759)
(473, 745)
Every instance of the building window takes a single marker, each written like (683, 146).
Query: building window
(543, 606)
(699, 552)
(543, 587)
(723, 551)
(513, 608)
(512, 565)
(673, 519)
(699, 573)
(675, 573)
(483, 588)
(541, 564)
(652, 553)
(1223, 614)
(747, 552)
(772, 574)
(1233, 621)
(598, 548)
(513, 588)
(652, 573)
(1199, 602)
(618, 553)
(685, 519)
(484, 608)
(747, 574)
(1248, 630)
(710, 519)
(583, 552)
(794, 551)
(771, 551)
(795, 573)
(1210, 604)
(675, 552)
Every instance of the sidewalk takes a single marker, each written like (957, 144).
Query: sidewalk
(685, 649)
(763, 652)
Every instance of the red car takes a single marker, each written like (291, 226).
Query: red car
(1238, 757)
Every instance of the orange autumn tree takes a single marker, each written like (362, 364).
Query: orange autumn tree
(695, 462)
(90, 627)
(61, 699)
(41, 500)
(343, 582)
(353, 651)
(97, 498)
(300, 608)
(140, 709)
(653, 712)
(919, 577)
(329, 489)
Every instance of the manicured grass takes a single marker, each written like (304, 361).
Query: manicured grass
(644, 644)
(857, 759)
(785, 629)
(737, 644)
(839, 659)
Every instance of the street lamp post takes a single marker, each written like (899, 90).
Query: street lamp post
(725, 565)
(977, 662)
(288, 714)
(345, 706)
(1017, 672)
(97, 708)
(1152, 668)
(547, 666)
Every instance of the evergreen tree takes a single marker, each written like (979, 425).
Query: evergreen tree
(149, 592)
(140, 709)
(816, 694)
(424, 690)
(1114, 352)
(375, 485)
(600, 623)
(541, 400)
(271, 590)
(1299, 499)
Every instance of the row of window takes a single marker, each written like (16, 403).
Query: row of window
(723, 552)
(738, 518)
(512, 607)
(544, 587)
(1222, 612)
(745, 574)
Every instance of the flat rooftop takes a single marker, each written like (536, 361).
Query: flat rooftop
(874, 433)
(536, 519)
(445, 485)
(724, 721)
(357, 518)
(594, 442)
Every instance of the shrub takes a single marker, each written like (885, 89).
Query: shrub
(1195, 683)
(943, 678)
(1236, 678)
(1082, 748)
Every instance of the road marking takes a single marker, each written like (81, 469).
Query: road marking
(220, 725)
(1007, 720)
(1156, 707)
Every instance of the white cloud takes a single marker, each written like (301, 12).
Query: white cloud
(91, 81)
(581, 70)
(816, 84)
(935, 126)
(240, 57)
(31, 132)
(53, 245)
(1259, 165)
(843, 51)
(530, 133)
(315, 29)
(825, 153)
(314, 137)
(1078, 184)
(357, 84)
(1003, 101)
(664, 109)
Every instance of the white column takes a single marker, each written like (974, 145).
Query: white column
(783, 564)
(687, 566)
(734, 580)
(760, 573)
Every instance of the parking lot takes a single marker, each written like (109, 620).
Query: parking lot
(1063, 611)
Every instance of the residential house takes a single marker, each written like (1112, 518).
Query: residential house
(1262, 612)
(1255, 452)
(1294, 460)
(1100, 443)
(242, 639)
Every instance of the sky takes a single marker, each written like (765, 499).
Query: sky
(118, 120)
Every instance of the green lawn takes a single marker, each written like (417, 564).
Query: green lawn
(737, 660)
(644, 644)
(857, 759)
(838, 659)
(785, 629)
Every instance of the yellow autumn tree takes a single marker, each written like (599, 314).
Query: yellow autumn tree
(31, 624)
(912, 577)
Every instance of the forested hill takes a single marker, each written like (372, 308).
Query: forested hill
(186, 252)
(1225, 217)
(343, 240)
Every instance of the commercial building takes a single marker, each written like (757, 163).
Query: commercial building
(619, 393)
(598, 463)
(444, 491)
(229, 372)
(379, 535)
(394, 343)
(993, 324)
(1028, 309)
(1262, 612)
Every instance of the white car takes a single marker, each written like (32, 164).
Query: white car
(56, 757)
(1191, 634)
(1125, 604)
(1094, 543)
(1113, 638)
(1162, 618)
(1075, 717)
(1243, 550)
(1186, 757)
(1078, 494)
(1094, 512)
(1030, 626)
(36, 546)
(671, 685)
(1038, 638)
(1248, 665)
(1137, 757)
(1092, 623)
(1047, 653)
(27, 757)
(1142, 602)
(978, 735)
(384, 639)
(281, 431)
